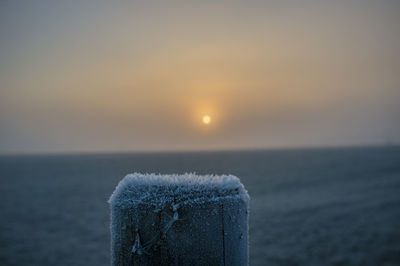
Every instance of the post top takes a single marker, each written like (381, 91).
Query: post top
(188, 188)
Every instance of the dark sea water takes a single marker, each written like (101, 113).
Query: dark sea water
(308, 207)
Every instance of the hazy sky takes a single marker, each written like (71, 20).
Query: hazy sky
(78, 76)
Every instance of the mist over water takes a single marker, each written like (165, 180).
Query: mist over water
(308, 207)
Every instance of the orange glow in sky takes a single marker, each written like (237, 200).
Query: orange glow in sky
(206, 119)
(189, 75)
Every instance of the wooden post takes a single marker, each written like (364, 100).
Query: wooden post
(179, 220)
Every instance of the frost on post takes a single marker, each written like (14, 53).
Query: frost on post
(179, 220)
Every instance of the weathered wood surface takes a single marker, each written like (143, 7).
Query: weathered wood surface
(179, 220)
(211, 233)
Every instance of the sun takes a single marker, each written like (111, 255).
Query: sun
(206, 119)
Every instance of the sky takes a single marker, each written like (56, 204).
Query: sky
(128, 76)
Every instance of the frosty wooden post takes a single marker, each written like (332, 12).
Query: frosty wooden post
(179, 220)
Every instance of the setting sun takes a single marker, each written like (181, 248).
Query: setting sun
(206, 119)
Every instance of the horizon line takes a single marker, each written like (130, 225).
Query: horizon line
(206, 150)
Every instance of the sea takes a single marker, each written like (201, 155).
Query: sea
(331, 206)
